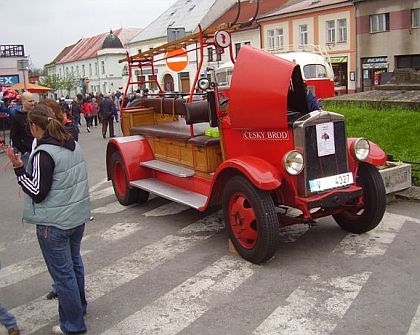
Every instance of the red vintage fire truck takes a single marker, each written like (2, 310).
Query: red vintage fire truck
(268, 161)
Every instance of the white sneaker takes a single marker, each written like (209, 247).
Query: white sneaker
(56, 330)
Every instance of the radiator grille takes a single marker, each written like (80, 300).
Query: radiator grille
(318, 167)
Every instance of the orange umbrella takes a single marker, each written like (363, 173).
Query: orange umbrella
(33, 88)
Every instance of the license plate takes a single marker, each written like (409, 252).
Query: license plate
(326, 183)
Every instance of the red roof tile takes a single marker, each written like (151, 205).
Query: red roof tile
(248, 11)
(88, 47)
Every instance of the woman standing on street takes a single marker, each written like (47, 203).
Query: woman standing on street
(57, 200)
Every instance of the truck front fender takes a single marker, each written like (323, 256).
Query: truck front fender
(261, 173)
(133, 150)
(376, 155)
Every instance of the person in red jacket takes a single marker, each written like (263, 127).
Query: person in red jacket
(87, 109)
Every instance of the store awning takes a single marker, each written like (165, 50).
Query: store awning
(33, 88)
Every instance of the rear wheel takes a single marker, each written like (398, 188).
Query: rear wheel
(251, 220)
(125, 194)
(362, 220)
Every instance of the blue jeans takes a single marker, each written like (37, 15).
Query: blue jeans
(61, 251)
(6, 318)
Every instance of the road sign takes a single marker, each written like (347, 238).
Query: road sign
(222, 39)
(177, 60)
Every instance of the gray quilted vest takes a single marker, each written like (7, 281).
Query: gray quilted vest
(67, 204)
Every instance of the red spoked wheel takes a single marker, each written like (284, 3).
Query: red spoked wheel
(125, 194)
(251, 220)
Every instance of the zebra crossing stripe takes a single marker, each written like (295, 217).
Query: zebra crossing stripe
(39, 312)
(180, 307)
(121, 230)
(170, 208)
(97, 185)
(415, 324)
(375, 242)
(315, 307)
(100, 194)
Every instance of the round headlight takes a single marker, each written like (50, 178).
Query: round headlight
(203, 84)
(361, 148)
(293, 162)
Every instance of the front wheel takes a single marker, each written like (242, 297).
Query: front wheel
(251, 220)
(125, 194)
(362, 220)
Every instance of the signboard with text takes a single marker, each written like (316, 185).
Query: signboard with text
(9, 80)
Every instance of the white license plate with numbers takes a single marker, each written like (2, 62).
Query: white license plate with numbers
(326, 183)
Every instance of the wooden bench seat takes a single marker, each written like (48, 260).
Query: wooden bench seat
(177, 130)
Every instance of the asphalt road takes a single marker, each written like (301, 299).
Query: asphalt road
(162, 268)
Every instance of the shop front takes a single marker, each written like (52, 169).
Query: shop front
(372, 68)
(340, 68)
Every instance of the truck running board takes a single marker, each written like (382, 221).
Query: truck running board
(165, 190)
(169, 168)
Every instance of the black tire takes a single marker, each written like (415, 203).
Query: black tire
(256, 240)
(125, 194)
(364, 219)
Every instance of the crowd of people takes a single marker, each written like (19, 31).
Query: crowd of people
(51, 170)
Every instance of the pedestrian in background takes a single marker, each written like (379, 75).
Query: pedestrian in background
(107, 109)
(57, 201)
(116, 102)
(95, 111)
(76, 110)
(8, 320)
(87, 109)
(20, 133)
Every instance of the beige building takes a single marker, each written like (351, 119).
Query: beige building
(310, 25)
(388, 38)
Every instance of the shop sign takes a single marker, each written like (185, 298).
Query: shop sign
(342, 59)
(375, 63)
(9, 80)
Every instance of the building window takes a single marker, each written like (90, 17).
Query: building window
(270, 39)
(237, 48)
(77, 71)
(415, 18)
(210, 54)
(342, 30)
(379, 23)
(330, 26)
(103, 67)
(279, 38)
(218, 56)
(90, 70)
(152, 85)
(303, 34)
(72, 71)
(83, 70)
(96, 68)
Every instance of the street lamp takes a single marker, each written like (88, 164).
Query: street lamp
(23, 65)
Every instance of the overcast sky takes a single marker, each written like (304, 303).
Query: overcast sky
(45, 27)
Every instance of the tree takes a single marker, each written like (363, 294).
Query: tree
(53, 81)
(70, 82)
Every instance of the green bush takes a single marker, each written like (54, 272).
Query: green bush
(396, 130)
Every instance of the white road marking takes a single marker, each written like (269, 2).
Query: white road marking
(187, 302)
(121, 230)
(375, 242)
(96, 186)
(39, 312)
(103, 193)
(415, 323)
(112, 208)
(26, 269)
(170, 208)
(315, 307)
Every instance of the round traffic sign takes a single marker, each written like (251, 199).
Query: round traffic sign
(222, 39)
(177, 60)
